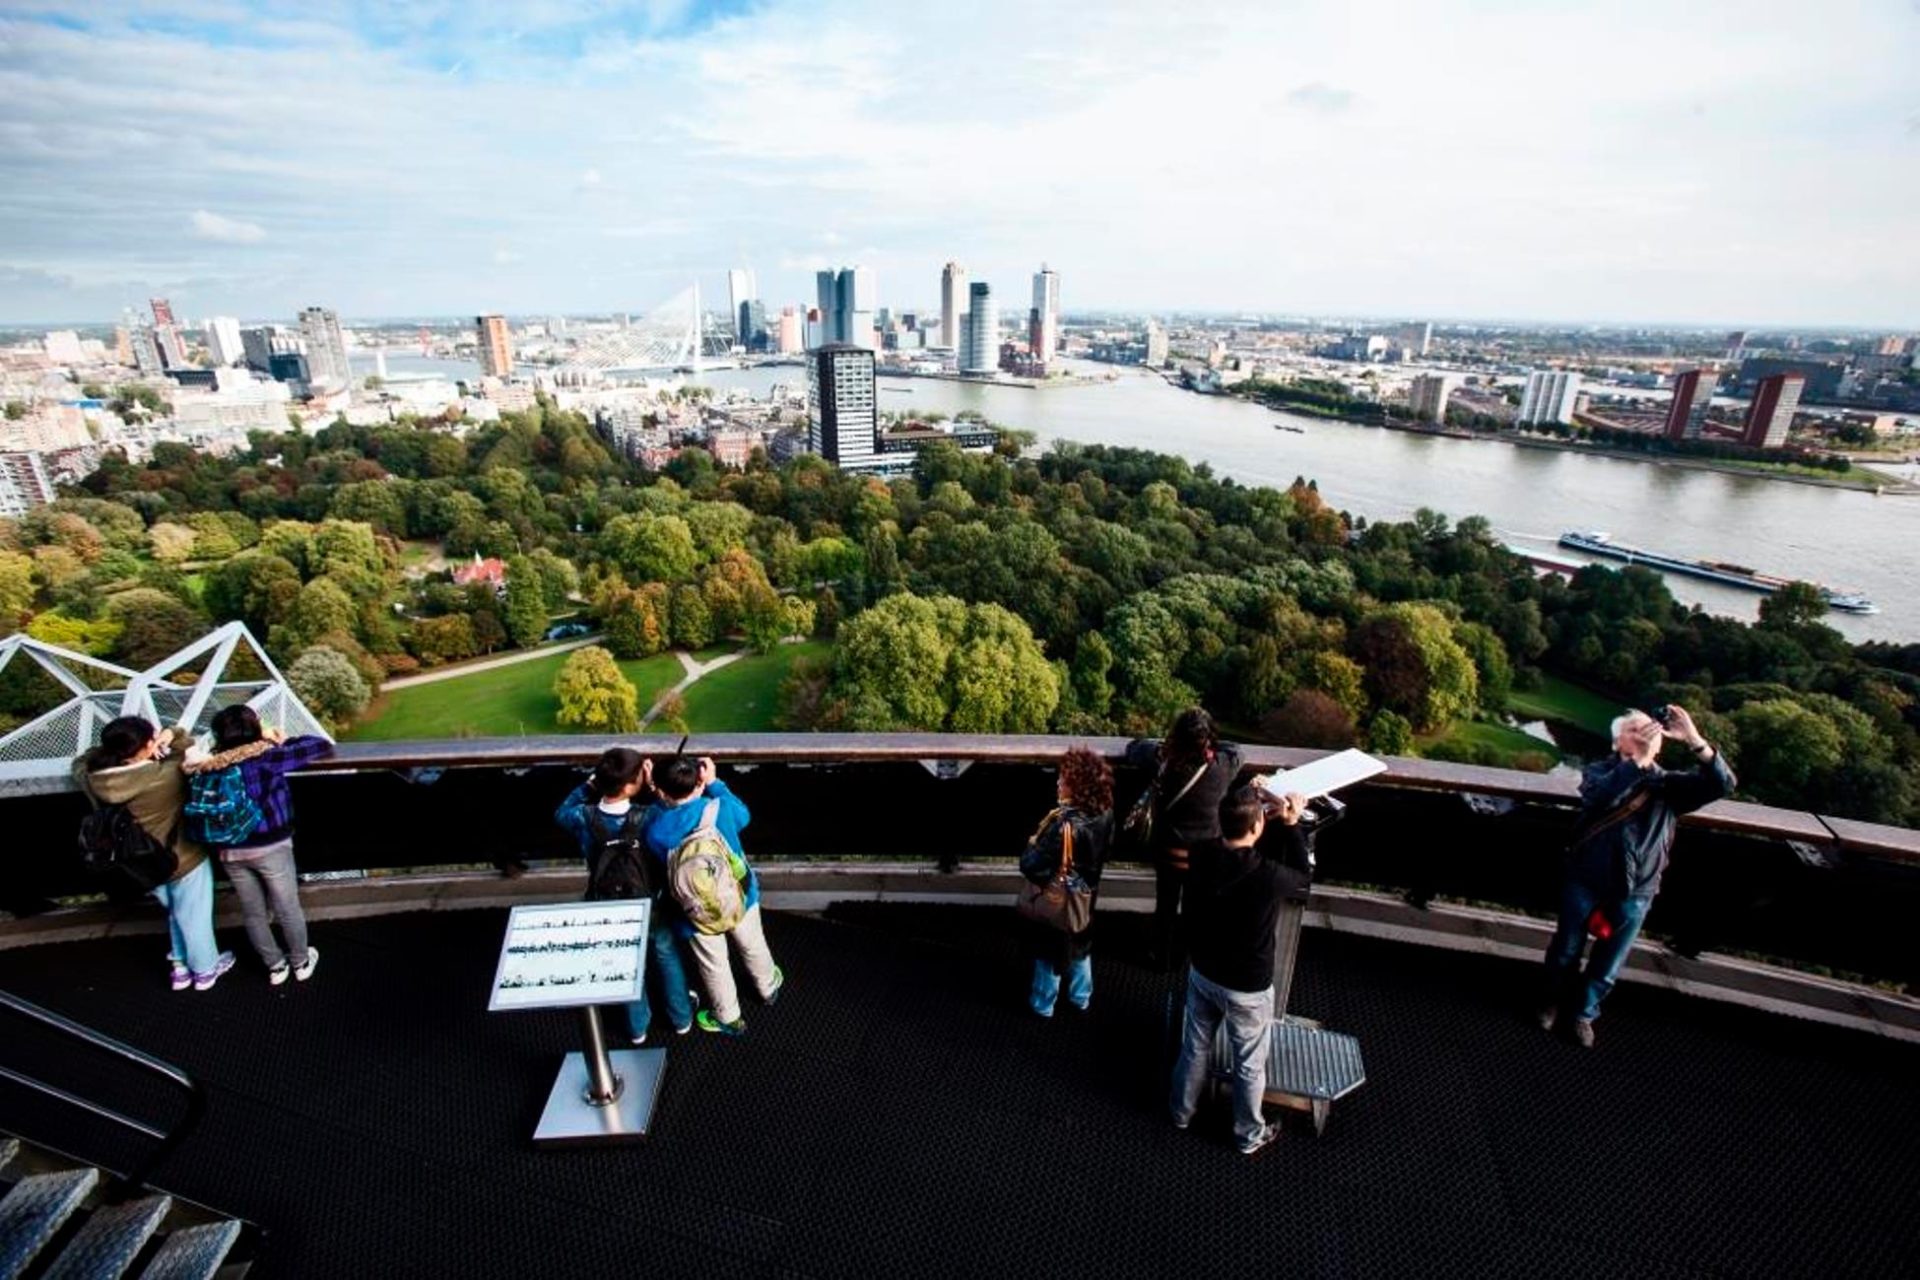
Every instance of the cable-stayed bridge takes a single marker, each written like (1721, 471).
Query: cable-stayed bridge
(674, 336)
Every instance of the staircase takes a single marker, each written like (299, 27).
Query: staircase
(61, 1220)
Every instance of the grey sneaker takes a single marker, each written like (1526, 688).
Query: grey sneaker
(1583, 1033)
(1261, 1140)
(305, 970)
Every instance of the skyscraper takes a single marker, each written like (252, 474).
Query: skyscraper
(847, 301)
(1771, 414)
(1692, 394)
(792, 336)
(953, 304)
(162, 312)
(741, 290)
(841, 413)
(223, 340)
(496, 345)
(1156, 344)
(146, 351)
(750, 325)
(172, 348)
(24, 484)
(981, 351)
(1549, 396)
(326, 347)
(1417, 339)
(1428, 396)
(1043, 321)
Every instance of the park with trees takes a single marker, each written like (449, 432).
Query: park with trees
(1082, 590)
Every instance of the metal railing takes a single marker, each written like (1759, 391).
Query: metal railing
(167, 1139)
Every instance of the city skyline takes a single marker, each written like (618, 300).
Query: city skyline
(1712, 166)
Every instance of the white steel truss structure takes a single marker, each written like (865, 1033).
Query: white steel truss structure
(38, 755)
(673, 337)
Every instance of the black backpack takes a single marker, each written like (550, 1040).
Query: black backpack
(117, 850)
(618, 868)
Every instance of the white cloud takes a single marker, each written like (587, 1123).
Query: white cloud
(211, 226)
(503, 256)
(591, 178)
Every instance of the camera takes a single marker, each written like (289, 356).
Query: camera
(1661, 714)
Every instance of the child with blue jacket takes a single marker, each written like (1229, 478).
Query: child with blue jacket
(684, 789)
(601, 815)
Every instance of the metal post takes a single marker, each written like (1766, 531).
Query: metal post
(603, 1087)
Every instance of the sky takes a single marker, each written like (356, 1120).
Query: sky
(1748, 164)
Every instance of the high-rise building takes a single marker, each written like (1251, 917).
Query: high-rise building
(223, 340)
(1770, 415)
(146, 352)
(741, 290)
(750, 325)
(24, 483)
(496, 345)
(848, 298)
(1428, 396)
(1549, 396)
(63, 347)
(1692, 394)
(953, 303)
(162, 313)
(326, 347)
(171, 346)
(980, 352)
(1417, 339)
(814, 331)
(841, 412)
(793, 335)
(1737, 345)
(1043, 320)
(1156, 344)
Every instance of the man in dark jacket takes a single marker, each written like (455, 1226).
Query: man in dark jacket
(1234, 893)
(1629, 807)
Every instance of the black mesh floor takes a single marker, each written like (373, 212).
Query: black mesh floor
(900, 1113)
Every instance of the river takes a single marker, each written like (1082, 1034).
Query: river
(1840, 537)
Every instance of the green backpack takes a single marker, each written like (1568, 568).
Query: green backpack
(705, 874)
(218, 810)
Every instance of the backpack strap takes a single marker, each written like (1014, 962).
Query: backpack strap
(1633, 804)
(1192, 782)
(710, 818)
(1066, 846)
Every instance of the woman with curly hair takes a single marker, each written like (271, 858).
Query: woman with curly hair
(1086, 808)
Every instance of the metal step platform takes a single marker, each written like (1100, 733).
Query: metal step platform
(112, 1238)
(34, 1210)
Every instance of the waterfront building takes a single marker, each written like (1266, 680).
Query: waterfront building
(496, 345)
(1551, 395)
(1043, 336)
(1416, 339)
(741, 289)
(815, 329)
(792, 332)
(953, 303)
(326, 347)
(223, 340)
(146, 352)
(841, 411)
(24, 483)
(847, 303)
(162, 313)
(1156, 345)
(1823, 376)
(63, 347)
(750, 324)
(980, 352)
(170, 345)
(1687, 412)
(1737, 345)
(1428, 396)
(1770, 416)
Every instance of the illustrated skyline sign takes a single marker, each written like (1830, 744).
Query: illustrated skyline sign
(563, 955)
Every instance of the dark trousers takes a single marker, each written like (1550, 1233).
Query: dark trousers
(1574, 991)
(1169, 886)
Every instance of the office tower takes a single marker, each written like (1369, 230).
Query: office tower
(841, 417)
(1770, 415)
(24, 484)
(146, 352)
(223, 340)
(1737, 345)
(63, 347)
(792, 332)
(848, 298)
(815, 329)
(1156, 345)
(953, 303)
(1043, 321)
(1417, 339)
(380, 363)
(496, 346)
(1549, 396)
(556, 326)
(1428, 396)
(1692, 394)
(162, 313)
(326, 347)
(741, 289)
(1892, 345)
(827, 294)
(981, 352)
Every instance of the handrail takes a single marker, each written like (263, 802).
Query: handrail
(169, 1139)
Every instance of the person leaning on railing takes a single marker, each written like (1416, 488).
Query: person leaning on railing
(1629, 807)
(1084, 817)
(1192, 771)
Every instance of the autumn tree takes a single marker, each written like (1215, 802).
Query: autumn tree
(593, 696)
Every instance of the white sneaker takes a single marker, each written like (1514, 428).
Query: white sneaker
(1260, 1140)
(302, 972)
(279, 973)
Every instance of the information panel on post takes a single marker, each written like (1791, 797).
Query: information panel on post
(562, 955)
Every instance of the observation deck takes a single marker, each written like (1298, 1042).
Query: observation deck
(900, 1111)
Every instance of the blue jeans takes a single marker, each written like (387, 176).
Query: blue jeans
(664, 967)
(1570, 988)
(1046, 985)
(1249, 1019)
(189, 904)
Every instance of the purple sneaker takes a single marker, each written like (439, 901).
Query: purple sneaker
(182, 976)
(203, 981)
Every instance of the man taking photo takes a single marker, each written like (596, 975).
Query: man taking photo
(1629, 807)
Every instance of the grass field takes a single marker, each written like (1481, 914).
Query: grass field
(743, 696)
(1502, 740)
(1558, 699)
(503, 702)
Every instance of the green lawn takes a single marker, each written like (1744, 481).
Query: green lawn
(503, 702)
(744, 696)
(1500, 742)
(1558, 699)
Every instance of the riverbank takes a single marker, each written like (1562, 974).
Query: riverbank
(997, 380)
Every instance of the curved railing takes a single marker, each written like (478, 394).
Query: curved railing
(1819, 892)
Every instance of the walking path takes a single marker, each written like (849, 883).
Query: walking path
(488, 664)
(694, 669)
